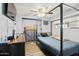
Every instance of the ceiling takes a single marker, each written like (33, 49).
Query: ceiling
(24, 10)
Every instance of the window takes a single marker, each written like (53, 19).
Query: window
(64, 25)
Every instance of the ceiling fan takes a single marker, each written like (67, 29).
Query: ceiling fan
(41, 12)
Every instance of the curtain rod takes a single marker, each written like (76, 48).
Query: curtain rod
(31, 19)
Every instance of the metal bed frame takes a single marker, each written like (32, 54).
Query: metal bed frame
(61, 22)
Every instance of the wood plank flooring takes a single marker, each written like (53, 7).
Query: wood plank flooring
(33, 50)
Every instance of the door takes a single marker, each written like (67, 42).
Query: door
(30, 30)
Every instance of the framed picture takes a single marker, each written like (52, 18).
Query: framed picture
(45, 22)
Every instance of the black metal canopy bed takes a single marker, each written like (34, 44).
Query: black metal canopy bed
(59, 47)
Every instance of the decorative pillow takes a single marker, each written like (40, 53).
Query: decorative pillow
(10, 37)
(44, 35)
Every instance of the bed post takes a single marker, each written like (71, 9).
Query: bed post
(61, 29)
(51, 27)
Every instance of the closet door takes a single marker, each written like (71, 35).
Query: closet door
(30, 29)
(30, 34)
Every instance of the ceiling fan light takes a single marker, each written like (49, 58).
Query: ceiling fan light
(39, 14)
(43, 14)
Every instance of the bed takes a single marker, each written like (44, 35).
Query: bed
(53, 45)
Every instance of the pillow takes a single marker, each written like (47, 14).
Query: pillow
(10, 37)
(44, 35)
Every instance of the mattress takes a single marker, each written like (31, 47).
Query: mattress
(69, 47)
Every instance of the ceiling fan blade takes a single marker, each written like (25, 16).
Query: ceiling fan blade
(33, 10)
(35, 14)
(46, 8)
(49, 13)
